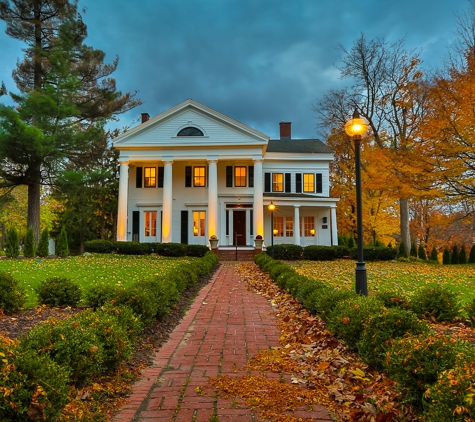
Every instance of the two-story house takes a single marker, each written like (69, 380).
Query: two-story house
(192, 172)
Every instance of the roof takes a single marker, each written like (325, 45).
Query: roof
(293, 195)
(304, 146)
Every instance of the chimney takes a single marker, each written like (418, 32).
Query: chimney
(145, 117)
(285, 130)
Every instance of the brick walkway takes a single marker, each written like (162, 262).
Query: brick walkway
(224, 327)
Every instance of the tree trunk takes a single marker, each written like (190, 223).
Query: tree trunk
(404, 221)
(33, 219)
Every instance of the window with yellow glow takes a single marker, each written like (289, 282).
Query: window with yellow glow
(199, 219)
(308, 182)
(150, 223)
(289, 226)
(309, 226)
(199, 176)
(278, 226)
(277, 182)
(150, 177)
(240, 176)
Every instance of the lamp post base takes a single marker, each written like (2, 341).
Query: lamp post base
(361, 284)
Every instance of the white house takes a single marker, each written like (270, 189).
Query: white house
(192, 172)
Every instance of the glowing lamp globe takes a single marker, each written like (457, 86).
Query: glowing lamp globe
(356, 126)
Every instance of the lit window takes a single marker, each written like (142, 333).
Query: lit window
(289, 226)
(199, 176)
(199, 218)
(150, 223)
(309, 182)
(150, 177)
(277, 182)
(278, 226)
(309, 226)
(240, 176)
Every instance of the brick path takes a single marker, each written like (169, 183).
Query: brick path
(224, 327)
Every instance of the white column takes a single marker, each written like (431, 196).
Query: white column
(122, 209)
(334, 227)
(258, 199)
(297, 224)
(167, 202)
(213, 198)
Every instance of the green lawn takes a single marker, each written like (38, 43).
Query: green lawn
(393, 275)
(87, 271)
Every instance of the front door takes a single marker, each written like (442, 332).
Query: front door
(239, 227)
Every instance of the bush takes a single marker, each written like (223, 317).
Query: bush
(393, 299)
(382, 328)
(413, 251)
(434, 256)
(58, 291)
(24, 374)
(463, 255)
(471, 257)
(421, 252)
(196, 250)
(99, 246)
(132, 248)
(324, 300)
(446, 256)
(319, 253)
(100, 294)
(170, 249)
(451, 397)
(43, 244)
(12, 295)
(280, 268)
(307, 287)
(29, 247)
(470, 310)
(12, 249)
(454, 258)
(126, 318)
(349, 317)
(139, 299)
(372, 253)
(286, 252)
(416, 362)
(436, 302)
(62, 247)
(402, 253)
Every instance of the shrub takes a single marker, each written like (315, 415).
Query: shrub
(126, 318)
(434, 255)
(132, 248)
(372, 253)
(29, 247)
(421, 252)
(196, 250)
(58, 291)
(62, 247)
(436, 302)
(454, 258)
(413, 251)
(307, 287)
(287, 252)
(24, 374)
(100, 294)
(451, 397)
(12, 295)
(43, 244)
(319, 253)
(280, 268)
(99, 246)
(170, 249)
(470, 310)
(446, 256)
(12, 249)
(349, 317)
(463, 255)
(402, 253)
(382, 328)
(351, 242)
(324, 300)
(415, 362)
(393, 299)
(471, 257)
(139, 299)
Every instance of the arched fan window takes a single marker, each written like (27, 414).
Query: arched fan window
(190, 131)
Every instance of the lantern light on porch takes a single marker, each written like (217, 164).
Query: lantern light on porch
(271, 208)
(312, 232)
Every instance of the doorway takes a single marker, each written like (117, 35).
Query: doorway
(239, 228)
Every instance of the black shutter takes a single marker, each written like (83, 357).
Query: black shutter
(138, 177)
(136, 225)
(184, 227)
(160, 176)
(288, 183)
(298, 182)
(319, 183)
(267, 182)
(251, 176)
(188, 177)
(229, 176)
(251, 224)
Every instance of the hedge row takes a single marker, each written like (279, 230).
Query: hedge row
(433, 371)
(329, 253)
(37, 372)
(137, 248)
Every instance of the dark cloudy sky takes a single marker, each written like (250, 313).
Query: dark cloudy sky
(257, 61)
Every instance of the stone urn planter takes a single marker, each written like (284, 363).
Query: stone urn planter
(258, 243)
(214, 243)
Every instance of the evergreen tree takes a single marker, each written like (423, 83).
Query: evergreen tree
(29, 246)
(446, 256)
(413, 250)
(12, 249)
(454, 259)
(43, 245)
(434, 254)
(62, 247)
(471, 258)
(402, 250)
(463, 255)
(351, 242)
(422, 252)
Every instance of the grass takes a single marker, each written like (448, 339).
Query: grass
(87, 271)
(404, 276)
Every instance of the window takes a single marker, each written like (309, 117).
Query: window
(190, 131)
(240, 176)
(309, 226)
(150, 223)
(199, 218)
(277, 182)
(199, 176)
(308, 182)
(150, 177)
(319, 183)
(289, 226)
(278, 226)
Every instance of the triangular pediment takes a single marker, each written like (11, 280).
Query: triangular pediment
(162, 131)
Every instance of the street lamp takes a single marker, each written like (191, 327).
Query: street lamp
(271, 208)
(356, 128)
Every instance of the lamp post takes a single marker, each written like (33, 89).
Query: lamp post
(356, 128)
(271, 208)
